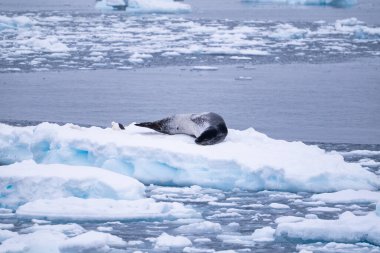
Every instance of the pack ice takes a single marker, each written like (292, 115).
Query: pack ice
(246, 159)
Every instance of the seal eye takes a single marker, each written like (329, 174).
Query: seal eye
(177, 128)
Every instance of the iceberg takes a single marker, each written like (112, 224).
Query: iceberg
(157, 6)
(143, 6)
(111, 4)
(246, 159)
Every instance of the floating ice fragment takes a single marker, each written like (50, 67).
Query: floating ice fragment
(104, 209)
(15, 22)
(278, 206)
(69, 230)
(200, 228)
(207, 68)
(324, 209)
(41, 241)
(28, 181)
(243, 78)
(104, 229)
(348, 196)
(264, 234)
(361, 153)
(348, 228)
(240, 57)
(111, 4)
(168, 241)
(6, 226)
(198, 250)
(157, 6)
(92, 241)
(6, 234)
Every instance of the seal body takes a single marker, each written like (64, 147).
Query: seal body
(208, 128)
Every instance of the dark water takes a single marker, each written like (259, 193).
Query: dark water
(311, 102)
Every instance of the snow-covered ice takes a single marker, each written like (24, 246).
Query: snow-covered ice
(251, 159)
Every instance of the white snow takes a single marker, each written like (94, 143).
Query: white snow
(348, 228)
(104, 209)
(348, 196)
(28, 181)
(246, 159)
(168, 241)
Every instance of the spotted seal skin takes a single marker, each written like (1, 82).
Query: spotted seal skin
(208, 128)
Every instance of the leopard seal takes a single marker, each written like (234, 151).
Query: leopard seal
(208, 128)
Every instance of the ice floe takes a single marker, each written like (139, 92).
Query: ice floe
(246, 159)
(53, 241)
(200, 228)
(347, 229)
(348, 196)
(73, 208)
(28, 181)
(264, 234)
(166, 241)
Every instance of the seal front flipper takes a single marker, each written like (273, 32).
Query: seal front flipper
(210, 136)
(117, 126)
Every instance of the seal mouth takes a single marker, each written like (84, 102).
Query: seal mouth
(152, 125)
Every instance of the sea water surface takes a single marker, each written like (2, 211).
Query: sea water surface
(294, 72)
